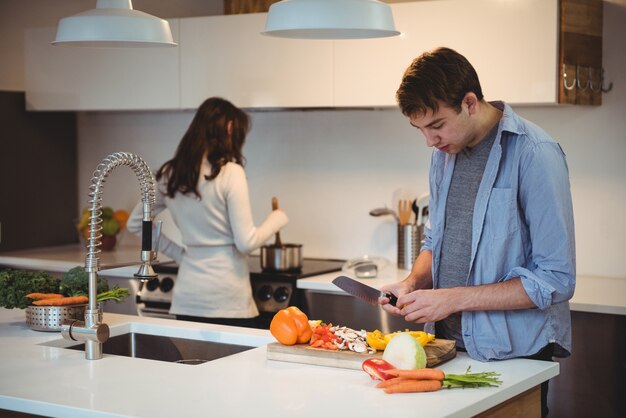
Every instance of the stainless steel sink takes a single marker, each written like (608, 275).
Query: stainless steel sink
(170, 349)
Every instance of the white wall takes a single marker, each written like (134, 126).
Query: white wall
(330, 168)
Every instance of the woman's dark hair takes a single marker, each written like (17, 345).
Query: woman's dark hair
(442, 75)
(207, 135)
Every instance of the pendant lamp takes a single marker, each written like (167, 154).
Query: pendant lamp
(114, 23)
(330, 19)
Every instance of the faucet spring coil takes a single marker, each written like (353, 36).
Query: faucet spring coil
(146, 182)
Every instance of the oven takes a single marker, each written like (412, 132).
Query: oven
(272, 290)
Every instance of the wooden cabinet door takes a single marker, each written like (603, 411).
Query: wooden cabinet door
(227, 56)
(83, 78)
(512, 44)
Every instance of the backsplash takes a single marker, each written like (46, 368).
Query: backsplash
(330, 168)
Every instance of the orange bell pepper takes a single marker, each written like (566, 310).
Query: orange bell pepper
(290, 326)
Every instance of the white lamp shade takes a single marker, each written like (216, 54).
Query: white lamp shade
(330, 19)
(113, 23)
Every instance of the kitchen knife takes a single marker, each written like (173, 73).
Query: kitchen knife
(362, 291)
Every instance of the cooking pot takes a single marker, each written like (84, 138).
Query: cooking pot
(279, 256)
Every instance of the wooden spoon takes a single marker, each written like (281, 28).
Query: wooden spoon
(277, 243)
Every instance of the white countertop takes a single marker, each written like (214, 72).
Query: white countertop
(54, 381)
(595, 294)
(60, 259)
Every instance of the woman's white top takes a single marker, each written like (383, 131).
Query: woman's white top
(218, 232)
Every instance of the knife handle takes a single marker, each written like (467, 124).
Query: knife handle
(392, 299)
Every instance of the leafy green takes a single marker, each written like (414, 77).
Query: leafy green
(471, 380)
(117, 294)
(76, 283)
(16, 284)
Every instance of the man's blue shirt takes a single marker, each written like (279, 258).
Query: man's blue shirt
(523, 226)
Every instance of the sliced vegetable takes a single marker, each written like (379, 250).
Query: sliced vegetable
(422, 337)
(405, 352)
(314, 323)
(323, 337)
(376, 339)
(377, 368)
(379, 341)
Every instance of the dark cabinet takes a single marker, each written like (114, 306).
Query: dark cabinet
(592, 381)
(38, 176)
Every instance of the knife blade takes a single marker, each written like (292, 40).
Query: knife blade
(362, 291)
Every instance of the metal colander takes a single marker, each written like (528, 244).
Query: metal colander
(50, 318)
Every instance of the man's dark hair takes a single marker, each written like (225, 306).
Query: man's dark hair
(441, 75)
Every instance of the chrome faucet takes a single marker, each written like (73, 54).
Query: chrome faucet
(92, 331)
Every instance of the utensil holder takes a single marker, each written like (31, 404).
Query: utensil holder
(409, 243)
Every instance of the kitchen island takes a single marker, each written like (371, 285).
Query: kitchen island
(39, 376)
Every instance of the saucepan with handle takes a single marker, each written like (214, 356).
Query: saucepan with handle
(279, 256)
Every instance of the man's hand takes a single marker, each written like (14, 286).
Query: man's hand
(428, 305)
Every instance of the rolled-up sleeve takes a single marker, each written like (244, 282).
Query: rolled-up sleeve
(545, 198)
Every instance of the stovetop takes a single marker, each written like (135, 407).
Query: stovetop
(310, 267)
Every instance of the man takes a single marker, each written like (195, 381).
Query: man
(497, 266)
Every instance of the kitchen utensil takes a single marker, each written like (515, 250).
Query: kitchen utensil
(404, 211)
(277, 242)
(279, 256)
(424, 215)
(422, 202)
(365, 267)
(409, 239)
(416, 210)
(437, 351)
(362, 291)
(384, 211)
(50, 318)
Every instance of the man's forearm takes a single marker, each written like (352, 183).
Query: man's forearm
(507, 295)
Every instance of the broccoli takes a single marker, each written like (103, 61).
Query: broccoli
(16, 284)
(76, 283)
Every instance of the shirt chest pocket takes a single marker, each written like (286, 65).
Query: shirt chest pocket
(502, 218)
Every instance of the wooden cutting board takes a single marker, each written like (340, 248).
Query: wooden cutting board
(437, 352)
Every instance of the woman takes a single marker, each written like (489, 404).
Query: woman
(205, 188)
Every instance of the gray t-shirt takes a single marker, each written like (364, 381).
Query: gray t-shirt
(456, 247)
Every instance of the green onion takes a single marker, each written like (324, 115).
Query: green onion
(471, 380)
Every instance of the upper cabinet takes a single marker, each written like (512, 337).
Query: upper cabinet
(524, 52)
(581, 76)
(227, 56)
(512, 44)
(80, 78)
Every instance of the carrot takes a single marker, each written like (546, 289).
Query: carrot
(390, 382)
(74, 300)
(411, 385)
(418, 374)
(40, 296)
